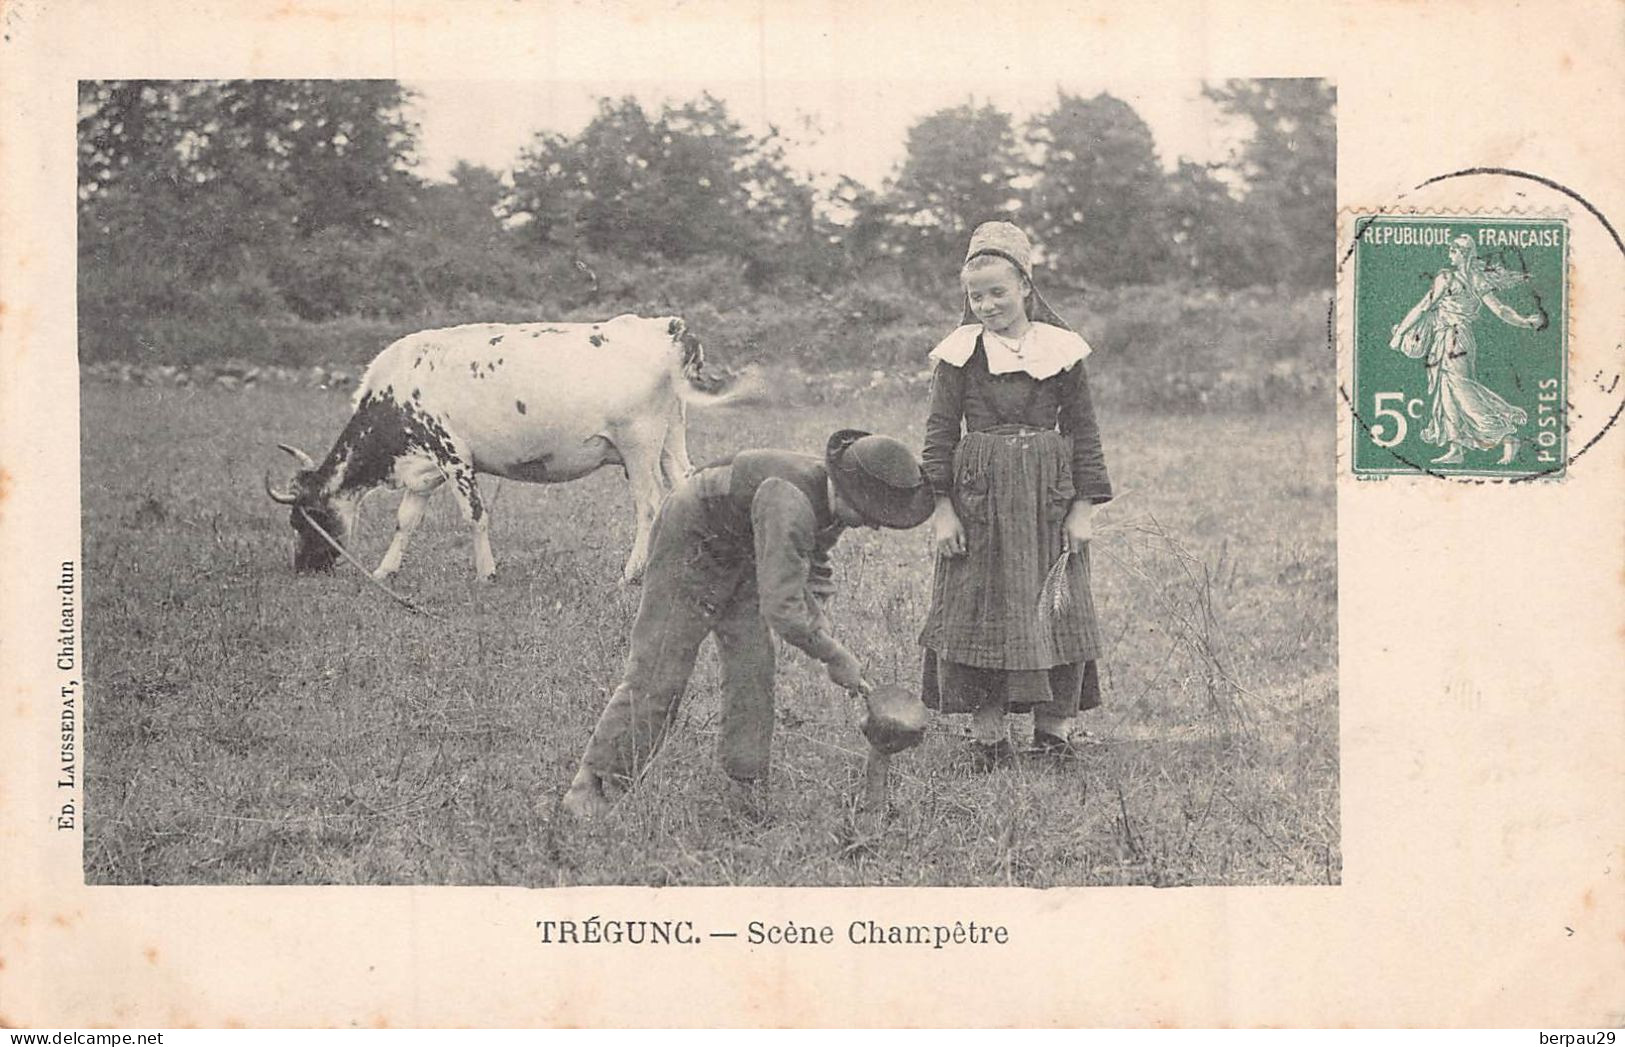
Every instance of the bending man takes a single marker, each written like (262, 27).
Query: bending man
(740, 548)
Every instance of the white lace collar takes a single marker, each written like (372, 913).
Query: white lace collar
(1043, 351)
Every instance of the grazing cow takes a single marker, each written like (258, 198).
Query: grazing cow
(541, 402)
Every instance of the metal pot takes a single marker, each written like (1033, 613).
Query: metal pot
(896, 719)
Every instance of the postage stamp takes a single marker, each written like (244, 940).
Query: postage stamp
(1460, 345)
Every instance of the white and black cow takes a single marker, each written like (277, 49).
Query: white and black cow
(540, 402)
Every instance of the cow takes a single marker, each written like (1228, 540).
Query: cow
(538, 402)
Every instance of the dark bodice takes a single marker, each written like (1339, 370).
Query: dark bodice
(971, 399)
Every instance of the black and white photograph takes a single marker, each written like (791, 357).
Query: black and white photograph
(986, 430)
(707, 513)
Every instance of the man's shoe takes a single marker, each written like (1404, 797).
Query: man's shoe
(747, 801)
(585, 800)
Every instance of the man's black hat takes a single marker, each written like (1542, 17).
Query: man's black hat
(880, 477)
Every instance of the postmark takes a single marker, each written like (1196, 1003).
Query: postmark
(1460, 345)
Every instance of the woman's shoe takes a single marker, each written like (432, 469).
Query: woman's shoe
(1055, 746)
(1509, 451)
(985, 756)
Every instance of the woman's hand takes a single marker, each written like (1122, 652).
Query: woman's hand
(949, 532)
(1079, 526)
(1537, 321)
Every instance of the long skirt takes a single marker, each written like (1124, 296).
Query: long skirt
(986, 639)
(1464, 411)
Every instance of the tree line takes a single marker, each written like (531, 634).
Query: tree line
(301, 197)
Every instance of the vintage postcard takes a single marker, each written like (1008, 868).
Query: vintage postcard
(1015, 515)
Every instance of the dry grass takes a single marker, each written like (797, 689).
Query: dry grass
(248, 726)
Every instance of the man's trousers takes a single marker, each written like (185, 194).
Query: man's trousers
(695, 585)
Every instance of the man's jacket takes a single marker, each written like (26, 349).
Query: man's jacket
(771, 508)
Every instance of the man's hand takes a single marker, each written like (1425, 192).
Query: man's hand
(847, 672)
(950, 533)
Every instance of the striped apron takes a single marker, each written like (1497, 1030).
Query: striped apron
(985, 639)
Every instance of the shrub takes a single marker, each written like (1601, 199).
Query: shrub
(335, 299)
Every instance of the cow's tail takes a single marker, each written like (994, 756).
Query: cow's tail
(716, 389)
(702, 386)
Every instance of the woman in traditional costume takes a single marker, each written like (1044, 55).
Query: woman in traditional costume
(1013, 454)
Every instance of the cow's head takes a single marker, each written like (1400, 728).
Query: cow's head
(310, 504)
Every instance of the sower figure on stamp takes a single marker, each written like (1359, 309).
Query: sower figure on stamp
(1439, 331)
(739, 549)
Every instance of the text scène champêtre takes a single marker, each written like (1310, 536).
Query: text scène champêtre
(595, 931)
(1380, 234)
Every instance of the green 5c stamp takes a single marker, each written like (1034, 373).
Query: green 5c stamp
(1459, 345)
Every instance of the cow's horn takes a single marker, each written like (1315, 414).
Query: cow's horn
(304, 459)
(279, 497)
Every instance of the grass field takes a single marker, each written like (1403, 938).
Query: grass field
(249, 726)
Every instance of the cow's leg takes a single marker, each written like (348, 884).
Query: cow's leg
(674, 463)
(641, 448)
(459, 469)
(420, 485)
